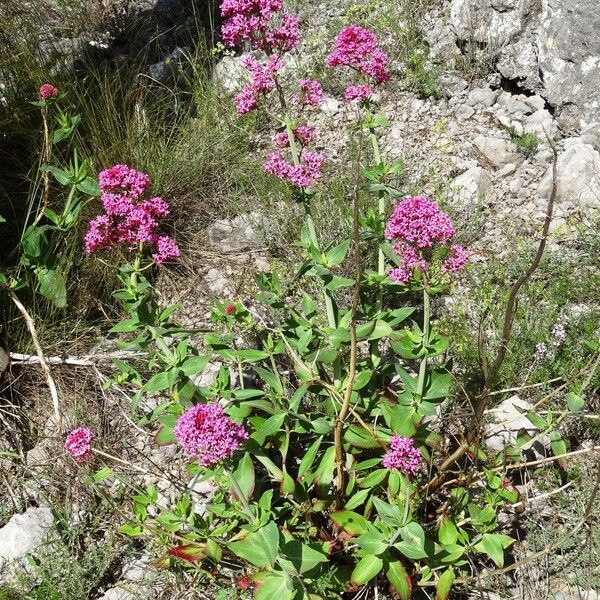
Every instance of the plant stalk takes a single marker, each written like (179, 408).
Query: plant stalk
(426, 328)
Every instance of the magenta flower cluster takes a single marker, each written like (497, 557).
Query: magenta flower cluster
(416, 227)
(264, 26)
(78, 444)
(261, 23)
(205, 432)
(47, 91)
(358, 48)
(305, 174)
(403, 456)
(262, 81)
(129, 219)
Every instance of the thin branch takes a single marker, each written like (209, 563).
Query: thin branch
(345, 408)
(89, 360)
(40, 353)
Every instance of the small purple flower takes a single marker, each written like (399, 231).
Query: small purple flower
(208, 434)
(403, 456)
(78, 444)
(47, 91)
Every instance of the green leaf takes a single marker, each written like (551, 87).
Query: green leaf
(444, 584)
(574, 402)
(448, 534)
(53, 287)
(269, 427)
(335, 283)
(557, 444)
(244, 475)
(194, 365)
(351, 522)
(63, 177)
(165, 436)
(399, 579)
(367, 568)
(357, 499)
(125, 326)
(259, 548)
(274, 585)
(304, 557)
(374, 478)
(413, 534)
(251, 355)
(388, 513)
(309, 458)
(2, 219)
(491, 544)
(89, 186)
(101, 475)
(160, 381)
(131, 530)
(372, 542)
(438, 385)
(324, 472)
(271, 379)
(336, 255)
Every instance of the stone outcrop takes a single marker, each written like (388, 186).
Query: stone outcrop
(551, 47)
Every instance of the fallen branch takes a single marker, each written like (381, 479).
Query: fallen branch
(89, 360)
(40, 353)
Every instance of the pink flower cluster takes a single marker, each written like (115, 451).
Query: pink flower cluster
(357, 47)
(310, 94)
(260, 23)
(128, 218)
(78, 444)
(46, 91)
(360, 92)
(208, 434)
(403, 456)
(416, 226)
(305, 174)
(262, 81)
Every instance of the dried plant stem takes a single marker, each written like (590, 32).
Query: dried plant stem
(490, 369)
(38, 348)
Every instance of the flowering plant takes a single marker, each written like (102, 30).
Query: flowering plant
(322, 430)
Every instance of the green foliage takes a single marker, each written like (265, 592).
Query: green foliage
(283, 507)
(421, 75)
(527, 143)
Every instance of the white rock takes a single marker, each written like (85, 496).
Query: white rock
(233, 235)
(464, 112)
(4, 359)
(482, 97)
(24, 534)
(578, 171)
(497, 151)
(122, 593)
(541, 124)
(506, 424)
(230, 74)
(331, 107)
(472, 184)
(218, 283)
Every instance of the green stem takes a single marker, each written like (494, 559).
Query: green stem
(406, 501)
(310, 223)
(241, 496)
(423, 367)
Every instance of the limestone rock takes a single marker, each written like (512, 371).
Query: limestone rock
(497, 151)
(24, 534)
(472, 184)
(506, 424)
(237, 234)
(230, 74)
(578, 171)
